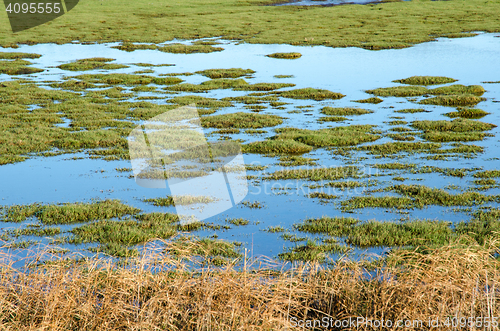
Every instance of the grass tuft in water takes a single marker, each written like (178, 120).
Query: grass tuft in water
(311, 93)
(345, 111)
(92, 64)
(425, 80)
(285, 55)
(373, 100)
(241, 120)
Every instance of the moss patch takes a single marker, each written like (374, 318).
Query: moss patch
(282, 146)
(311, 93)
(425, 80)
(285, 55)
(241, 120)
(92, 64)
(453, 100)
(189, 49)
(226, 73)
(345, 111)
(373, 100)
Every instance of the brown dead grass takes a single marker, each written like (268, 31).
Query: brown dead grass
(459, 279)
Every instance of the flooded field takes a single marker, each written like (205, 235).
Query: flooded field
(347, 151)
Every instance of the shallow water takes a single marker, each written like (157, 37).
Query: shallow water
(350, 71)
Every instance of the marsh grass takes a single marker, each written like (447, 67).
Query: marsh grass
(338, 136)
(189, 49)
(373, 100)
(180, 200)
(263, 87)
(129, 47)
(17, 67)
(315, 174)
(399, 91)
(91, 294)
(311, 93)
(92, 64)
(412, 111)
(241, 120)
(200, 101)
(18, 55)
(458, 89)
(68, 213)
(277, 146)
(311, 251)
(470, 113)
(453, 100)
(345, 111)
(127, 79)
(425, 80)
(290, 56)
(226, 73)
(398, 147)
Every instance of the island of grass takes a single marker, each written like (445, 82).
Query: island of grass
(189, 49)
(345, 111)
(425, 80)
(226, 73)
(311, 93)
(289, 56)
(92, 64)
(241, 121)
(470, 113)
(17, 67)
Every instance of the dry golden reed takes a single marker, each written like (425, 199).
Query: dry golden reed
(459, 279)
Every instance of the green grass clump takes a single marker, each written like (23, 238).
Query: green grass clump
(74, 85)
(129, 47)
(226, 73)
(401, 136)
(484, 224)
(412, 111)
(396, 166)
(189, 49)
(399, 91)
(277, 146)
(453, 100)
(17, 67)
(285, 55)
(283, 76)
(263, 86)
(127, 79)
(200, 101)
(69, 212)
(295, 160)
(458, 89)
(18, 55)
(339, 136)
(315, 174)
(92, 64)
(345, 111)
(311, 251)
(457, 125)
(487, 174)
(179, 200)
(398, 147)
(238, 221)
(373, 100)
(332, 119)
(377, 202)
(412, 233)
(241, 120)
(425, 80)
(115, 237)
(471, 113)
(436, 136)
(322, 195)
(311, 93)
(424, 196)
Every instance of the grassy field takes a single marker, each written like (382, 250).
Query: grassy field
(386, 25)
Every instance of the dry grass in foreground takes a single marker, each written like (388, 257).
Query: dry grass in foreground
(455, 280)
